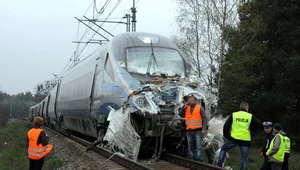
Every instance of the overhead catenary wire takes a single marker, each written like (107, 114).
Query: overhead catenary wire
(63, 71)
(87, 31)
(90, 24)
(123, 17)
(109, 14)
(103, 7)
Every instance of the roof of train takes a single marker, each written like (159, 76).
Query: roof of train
(132, 39)
(138, 39)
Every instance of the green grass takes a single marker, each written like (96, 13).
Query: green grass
(13, 154)
(256, 160)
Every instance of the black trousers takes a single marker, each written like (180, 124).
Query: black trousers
(285, 164)
(36, 164)
(276, 166)
(266, 165)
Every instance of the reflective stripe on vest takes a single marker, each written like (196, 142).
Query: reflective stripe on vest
(193, 120)
(287, 144)
(240, 126)
(279, 155)
(35, 151)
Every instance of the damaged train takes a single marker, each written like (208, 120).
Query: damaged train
(127, 94)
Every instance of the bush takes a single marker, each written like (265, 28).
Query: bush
(4, 114)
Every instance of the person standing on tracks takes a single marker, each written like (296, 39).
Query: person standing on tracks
(196, 125)
(268, 128)
(37, 145)
(237, 132)
(276, 150)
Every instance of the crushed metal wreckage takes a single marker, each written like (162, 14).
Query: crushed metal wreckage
(121, 136)
(157, 97)
(214, 139)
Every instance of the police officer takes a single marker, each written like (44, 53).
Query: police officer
(277, 148)
(237, 132)
(268, 128)
(38, 146)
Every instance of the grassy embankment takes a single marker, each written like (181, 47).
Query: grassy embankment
(255, 159)
(13, 154)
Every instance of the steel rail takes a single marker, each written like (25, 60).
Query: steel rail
(128, 163)
(195, 165)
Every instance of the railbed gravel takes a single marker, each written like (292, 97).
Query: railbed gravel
(75, 156)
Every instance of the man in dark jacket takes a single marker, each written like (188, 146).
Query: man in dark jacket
(237, 132)
(267, 140)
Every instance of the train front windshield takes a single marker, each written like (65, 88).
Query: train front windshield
(168, 61)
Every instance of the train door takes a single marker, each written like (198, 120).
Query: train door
(57, 114)
(42, 110)
(97, 92)
(47, 107)
(52, 115)
(93, 121)
(38, 110)
(92, 96)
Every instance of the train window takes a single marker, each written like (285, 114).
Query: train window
(108, 67)
(166, 61)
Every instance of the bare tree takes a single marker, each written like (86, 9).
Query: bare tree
(202, 35)
(43, 89)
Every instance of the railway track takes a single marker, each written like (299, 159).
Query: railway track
(169, 159)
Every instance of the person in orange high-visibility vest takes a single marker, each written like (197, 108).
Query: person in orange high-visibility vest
(196, 125)
(38, 146)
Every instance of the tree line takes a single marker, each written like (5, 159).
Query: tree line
(17, 106)
(246, 50)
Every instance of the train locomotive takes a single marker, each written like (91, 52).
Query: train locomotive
(128, 94)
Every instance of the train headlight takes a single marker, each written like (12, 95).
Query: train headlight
(140, 102)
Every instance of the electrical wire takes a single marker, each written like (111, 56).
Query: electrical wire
(87, 30)
(103, 7)
(113, 9)
(90, 24)
(63, 71)
(122, 17)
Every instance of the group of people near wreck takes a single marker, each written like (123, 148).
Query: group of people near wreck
(236, 130)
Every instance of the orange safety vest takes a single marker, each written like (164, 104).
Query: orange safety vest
(194, 120)
(35, 151)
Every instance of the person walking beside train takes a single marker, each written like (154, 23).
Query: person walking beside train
(268, 128)
(37, 145)
(237, 132)
(196, 125)
(276, 150)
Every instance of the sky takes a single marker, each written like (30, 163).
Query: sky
(36, 35)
